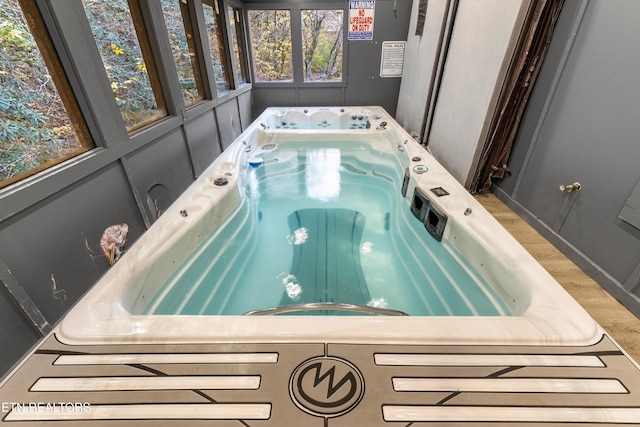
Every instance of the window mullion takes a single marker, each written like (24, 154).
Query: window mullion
(241, 31)
(126, 54)
(81, 113)
(165, 74)
(228, 46)
(93, 80)
(296, 46)
(238, 46)
(250, 49)
(202, 44)
(217, 42)
(178, 18)
(137, 14)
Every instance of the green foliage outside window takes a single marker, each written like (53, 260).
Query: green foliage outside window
(271, 44)
(237, 42)
(322, 40)
(115, 35)
(322, 44)
(212, 19)
(35, 129)
(177, 19)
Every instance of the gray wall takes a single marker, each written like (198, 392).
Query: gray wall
(363, 84)
(582, 125)
(51, 224)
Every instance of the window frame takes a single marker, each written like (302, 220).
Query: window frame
(151, 58)
(254, 77)
(35, 21)
(243, 47)
(189, 20)
(225, 56)
(110, 143)
(143, 27)
(295, 11)
(344, 41)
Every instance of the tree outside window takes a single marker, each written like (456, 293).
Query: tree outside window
(36, 130)
(213, 22)
(322, 34)
(181, 35)
(115, 33)
(270, 32)
(238, 43)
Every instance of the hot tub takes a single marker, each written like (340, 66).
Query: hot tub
(223, 265)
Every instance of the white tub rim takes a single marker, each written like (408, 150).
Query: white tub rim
(551, 316)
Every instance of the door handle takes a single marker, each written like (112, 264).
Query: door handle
(571, 188)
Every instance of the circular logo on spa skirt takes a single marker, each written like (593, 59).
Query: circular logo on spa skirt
(326, 386)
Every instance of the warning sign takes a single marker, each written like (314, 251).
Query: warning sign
(361, 15)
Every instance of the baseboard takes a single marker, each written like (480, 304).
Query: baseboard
(608, 283)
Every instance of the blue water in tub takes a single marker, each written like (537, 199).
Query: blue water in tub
(325, 223)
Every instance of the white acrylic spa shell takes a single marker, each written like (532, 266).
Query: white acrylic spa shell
(542, 311)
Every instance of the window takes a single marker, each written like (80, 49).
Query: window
(322, 45)
(270, 32)
(318, 49)
(40, 122)
(127, 60)
(181, 35)
(237, 38)
(213, 22)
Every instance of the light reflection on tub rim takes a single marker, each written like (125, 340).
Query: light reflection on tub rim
(546, 315)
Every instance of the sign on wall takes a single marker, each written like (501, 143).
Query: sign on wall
(361, 14)
(392, 59)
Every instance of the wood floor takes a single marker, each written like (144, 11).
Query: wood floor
(622, 325)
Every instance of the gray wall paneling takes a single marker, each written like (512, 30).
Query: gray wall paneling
(27, 307)
(164, 166)
(365, 86)
(229, 123)
(202, 137)
(51, 224)
(272, 96)
(320, 96)
(581, 125)
(245, 106)
(59, 239)
(18, 335)
(630, 212)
